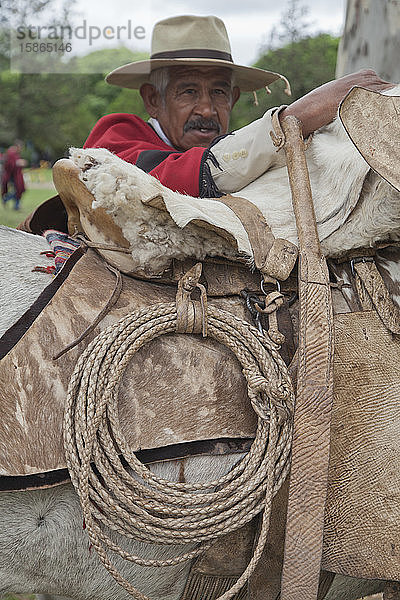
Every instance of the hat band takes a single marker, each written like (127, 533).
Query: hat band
(188, 53)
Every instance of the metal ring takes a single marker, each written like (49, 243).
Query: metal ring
(277, 283)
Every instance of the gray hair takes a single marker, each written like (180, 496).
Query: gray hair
(160, 79)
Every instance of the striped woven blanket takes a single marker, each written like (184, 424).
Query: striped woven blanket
(62, 246)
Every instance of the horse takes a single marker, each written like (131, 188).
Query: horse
(44, 547)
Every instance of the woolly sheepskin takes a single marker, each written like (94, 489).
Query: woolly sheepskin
(156, 236)
(351, 211)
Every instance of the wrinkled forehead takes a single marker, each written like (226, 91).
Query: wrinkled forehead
(180, 74)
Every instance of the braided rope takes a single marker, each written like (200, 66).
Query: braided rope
(144, 506)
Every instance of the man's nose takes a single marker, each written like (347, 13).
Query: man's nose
(205, 106)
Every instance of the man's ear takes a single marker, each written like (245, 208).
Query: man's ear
(151, 99)
(235, 95)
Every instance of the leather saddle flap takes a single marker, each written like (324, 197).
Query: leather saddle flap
(372, 121)
(362, 526)
(177, 388)
(97, 224)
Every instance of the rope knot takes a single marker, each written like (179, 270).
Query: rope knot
(272, 303)
(191, 315)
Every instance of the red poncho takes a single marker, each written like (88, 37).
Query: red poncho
(135, 141)
(12, 172)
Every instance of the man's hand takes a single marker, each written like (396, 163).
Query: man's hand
(319, 107)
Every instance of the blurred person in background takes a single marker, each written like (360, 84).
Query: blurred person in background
(12, 182)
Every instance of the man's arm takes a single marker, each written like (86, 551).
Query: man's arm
(245, 154)
(319, 107)
(249, 151)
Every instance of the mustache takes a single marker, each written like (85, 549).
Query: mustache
(201, 123)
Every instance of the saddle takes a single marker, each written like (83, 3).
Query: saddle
(365, 442)
(275, 257)
(160, 404)
(200, 394)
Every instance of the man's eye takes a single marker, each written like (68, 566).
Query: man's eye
(189, 91)
(219, 91)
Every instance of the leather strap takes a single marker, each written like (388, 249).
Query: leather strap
(274, 257)
(310, 450)
(193, 53)
(191, 315)
(215, 447)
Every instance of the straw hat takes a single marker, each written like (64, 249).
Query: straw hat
(190, 40)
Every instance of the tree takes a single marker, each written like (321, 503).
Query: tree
(15, 13)
(292, 26)
(371, 38)
(28, 99)
(104, 61)
(54, 111)
(306, 60)
(307, 63)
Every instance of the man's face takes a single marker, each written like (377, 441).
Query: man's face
(197, 105)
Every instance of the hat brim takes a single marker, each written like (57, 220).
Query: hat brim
(134, 74)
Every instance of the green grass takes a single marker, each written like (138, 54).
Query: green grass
(29, 201)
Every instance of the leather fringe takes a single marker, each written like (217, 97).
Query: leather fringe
(200, 586)
(207, 186)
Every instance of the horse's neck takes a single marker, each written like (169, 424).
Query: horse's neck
(21, 252)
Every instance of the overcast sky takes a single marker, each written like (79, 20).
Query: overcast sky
(249, 22)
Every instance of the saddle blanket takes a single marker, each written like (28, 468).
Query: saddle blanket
(62, 246)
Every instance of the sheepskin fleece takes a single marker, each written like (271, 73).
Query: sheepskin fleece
(156, 235)
(349, 213)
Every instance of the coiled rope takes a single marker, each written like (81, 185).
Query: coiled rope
(124, 496)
